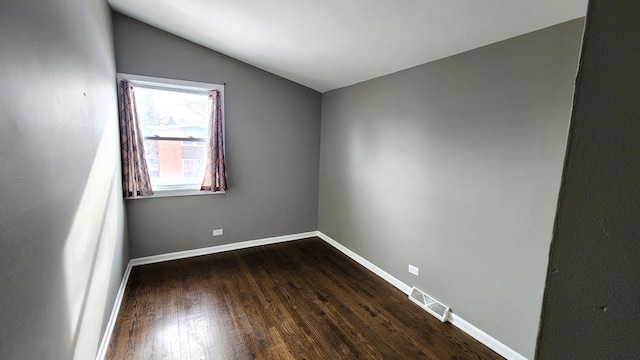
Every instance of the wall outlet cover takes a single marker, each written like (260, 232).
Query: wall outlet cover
(414, 270)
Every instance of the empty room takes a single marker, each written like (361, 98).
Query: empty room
(319, 179)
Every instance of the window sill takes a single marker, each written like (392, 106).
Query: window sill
(175, 193)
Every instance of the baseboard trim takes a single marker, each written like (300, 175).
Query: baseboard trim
(366, 263)
(104, 344)
(220, 248)
(454, 319)
(495, 345)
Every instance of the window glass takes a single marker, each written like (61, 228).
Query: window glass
(175, 127)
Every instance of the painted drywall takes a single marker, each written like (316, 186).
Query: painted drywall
(272, 149)
(454, 167)
(62, 226)
(592, 297)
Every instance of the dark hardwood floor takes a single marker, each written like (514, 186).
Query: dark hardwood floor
(296, 300)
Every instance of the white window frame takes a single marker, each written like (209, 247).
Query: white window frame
(182, 86)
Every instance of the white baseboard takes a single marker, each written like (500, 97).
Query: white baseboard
(495, 345)
(104, 344)
(220, 248)
(454, 319)
(367, 264)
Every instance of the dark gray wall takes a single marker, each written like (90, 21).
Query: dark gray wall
(454, 166)
(272, 149)
(592, 298)
(62, 234)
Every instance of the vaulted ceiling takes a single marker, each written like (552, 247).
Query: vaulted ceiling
(335, 43)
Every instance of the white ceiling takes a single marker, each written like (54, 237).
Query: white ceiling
(330, 44)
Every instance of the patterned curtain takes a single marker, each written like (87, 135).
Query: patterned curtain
(215, 176)
(135, 175)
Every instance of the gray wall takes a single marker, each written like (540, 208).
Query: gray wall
(454, 166)
(62, 230)
(272, 149)
(592, 297)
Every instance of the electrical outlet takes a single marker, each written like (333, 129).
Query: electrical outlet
(414, 270)
(217, 232)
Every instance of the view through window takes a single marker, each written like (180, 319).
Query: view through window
(175, 126)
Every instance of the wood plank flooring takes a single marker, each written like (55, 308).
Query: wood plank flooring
(296, 300)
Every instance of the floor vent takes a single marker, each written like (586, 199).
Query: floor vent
(428, 303)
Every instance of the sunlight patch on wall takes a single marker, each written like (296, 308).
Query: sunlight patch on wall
(89, 251)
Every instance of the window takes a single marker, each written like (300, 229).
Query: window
(174, 120)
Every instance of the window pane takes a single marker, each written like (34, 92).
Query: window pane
(179, 115)
(174, 163)
(169, 113)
